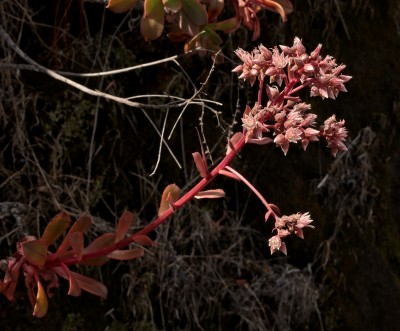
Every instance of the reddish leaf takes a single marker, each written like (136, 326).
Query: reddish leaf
(233, 141)
(282, 7)
(85, 283)
(95, 261)
(152, 22)
(123, 225)
(74, 289)
(229, 174)
(9, 290)
(127, 254)
(56, 228)
(144, 241)
(81, 225)
(267, 215)
(261, 141)
(105, 240)
(77, 244)
(210, 194)
(214, 8)
(41, 305)
(201, 164)
(35, 252)
(121, 6)
(275, 208)
(170, 195)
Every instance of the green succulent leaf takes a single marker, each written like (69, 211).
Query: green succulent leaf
(172, 5)
(35, 252)
(56, 228)
(195, 12)
(41, 305)
(152, 22)
(170, 195)
(121, 6)
(227, 25)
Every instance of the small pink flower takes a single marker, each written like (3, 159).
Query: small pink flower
(293, 134)
(335, 133)
(276, 244)
(282, 142)
(304, 221)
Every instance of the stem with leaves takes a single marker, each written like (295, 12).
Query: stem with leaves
(283, 119)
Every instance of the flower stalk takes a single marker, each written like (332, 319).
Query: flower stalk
(283, 118)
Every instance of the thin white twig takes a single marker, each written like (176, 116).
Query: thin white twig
(162, 138)
(160, 146)
(39, 68)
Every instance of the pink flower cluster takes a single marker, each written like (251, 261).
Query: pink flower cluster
(284, 115)
(287, 225)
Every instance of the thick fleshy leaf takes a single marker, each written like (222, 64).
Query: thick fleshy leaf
(77, 243)
(85, 283)
(172, 5)
(261, 141)
(170, 195)
(95, 261)
(214, 8)
(9, 283)
(124, 223)
(201, 164)
(40, 309)
(267, 215)
(185, 24)
(121, 6)
(282, 7)
(74, 289)
(229, 174)
(212, 38)
(126, 254)
(286, 5)
(210, 194)
(275, 208)
(81, 225)
(228, 25)
(90, 285)
(105, 240)
(143, 240)
(233, 141)
(152, 22)
(9, 290)
(56, 228)
(195, 12)
(35, 252)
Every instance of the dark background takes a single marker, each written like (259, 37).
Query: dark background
(212, 269)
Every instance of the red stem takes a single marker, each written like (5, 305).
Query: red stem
(162, 218)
